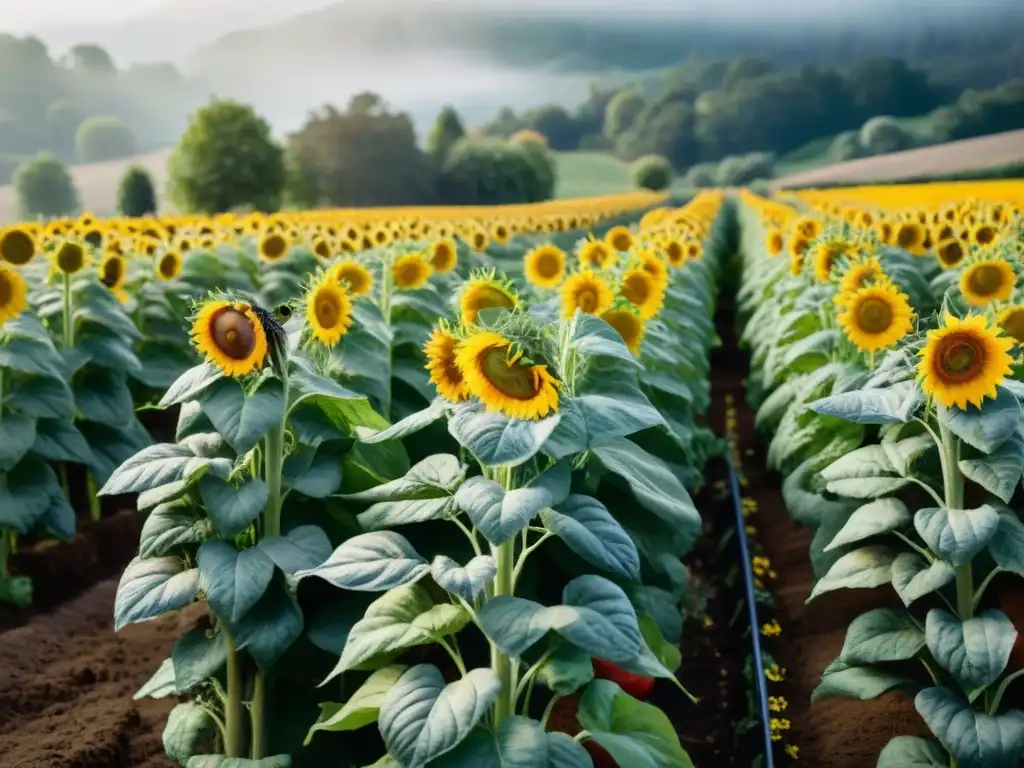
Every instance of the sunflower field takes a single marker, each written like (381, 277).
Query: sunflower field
(884, 326)
(422, 477)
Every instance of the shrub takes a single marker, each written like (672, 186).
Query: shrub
(62, 121)
(881, 135)
(652, 172)
(104, 138)
(622, 112)
(845, 146)
(446, 131)
(45, 188)
(225, 159)
(738, 170)
(701, 175)
(496, 172)
(135, 193)
(596, 142)
(527, 135)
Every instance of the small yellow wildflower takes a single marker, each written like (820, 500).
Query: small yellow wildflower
(793, 751)
(771, 629)
(775, 673)
(777, 703)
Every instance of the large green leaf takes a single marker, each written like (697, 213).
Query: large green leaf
(1007, 546)
(882, 634)
(974, 739)
(518, 743)
(957, 535)
(233, 581)
(151, 587)
(999, 473)
(362, 707)
(872, 519)
(426, 492)
(371, 562)
(243, 419)
(468, 582)
(861, 683)
(974, 651)
(895, 404)
(985, 428)
(913, 577)
(866, 567)
(497, 440)
(912, 752)
(589, 530)
(232, 507)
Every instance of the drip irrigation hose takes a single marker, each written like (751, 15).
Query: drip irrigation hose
(748, 583)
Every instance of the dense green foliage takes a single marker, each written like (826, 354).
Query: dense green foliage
(494, 172)
(881, 135)
(226, 159)
(447, 130)
(136, 195)
(104, 138)
(652, 172)
(45, 188)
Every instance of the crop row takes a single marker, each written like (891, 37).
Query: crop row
(428, 473)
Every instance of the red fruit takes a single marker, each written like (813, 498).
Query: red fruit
(637, 686)
(600, 755)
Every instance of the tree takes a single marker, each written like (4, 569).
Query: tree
(16, 135)
(890, 87)
(881, 135)
(45, 188)
(665, 130)
(622, 112)
(447, 130)
(104, 138)
(742, 69)
(90, 58)
(62, 121)
(553, 121)
(136, 195)
(496, 172)
(365, 155)
(226, 159)
(652, 172)
(845, 146)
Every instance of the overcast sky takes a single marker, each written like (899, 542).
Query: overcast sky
(22, 15)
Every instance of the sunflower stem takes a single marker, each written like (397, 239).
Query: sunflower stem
(233, 706)
(953, 482)
(69, 326)
(273, 466)
(505, 559)
(386, 289)
(95, 509)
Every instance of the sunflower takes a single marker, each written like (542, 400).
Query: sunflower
(654, 265)
(496, 374)
(885, 231)
(500, 232)
(797, 245)
(694, 250)
(1011, 321)
(876, 317)
(354, 274)
(619, 238)
(168, 266)
(950, 252)
(70, 258)
(774, 242)
(641, 289)
(859, 275)
(444, 373)
(588, 292)
(544, 266)
(825, 256)
(629, 325)
(987, 280)
(485, 292)
(596, 254)
(113, 271)
(321, 246)
(411, 271)
(910, 236)
(444, 255)
(328, 310)
(963, 361)
(675, 253)
(13, 294)
(379, 237)
(984, 234)
(479, 240)
(17, 246)
(230, 336)
(273, 246)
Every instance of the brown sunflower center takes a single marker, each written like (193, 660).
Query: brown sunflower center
(984, 235)
(327, 309)
(874, 316)
(907, 236)
(636, 288)
(322, 249)
(960, 358)
(16, 247)
(515, 380)
(674, 252)
(70, 258)
(168, 265)
(408, 273)
(355, 278)
(113, 271)
(986, 279)
(622, 241)
(548, 265)
(233, 333)
(1012, 324)
(587, 300)
(6, 289)
(442, 255)
(274, 247)
(775, 243)
(950, 252)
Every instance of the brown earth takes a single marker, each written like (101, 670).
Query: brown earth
(952, 157)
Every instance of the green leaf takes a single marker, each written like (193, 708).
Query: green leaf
(59, 440)
(371, 562)
(230, 507)
(411, 424)
(188, 725)
(220, 761)
(589, 530)
(892, 405)
(872, 519)
(861, 683)
(974, 651)
(161, 364)
(597, 617)
(883, 634)
(26, 494)
(913, 577)
(957, 535)
(912, 752)
(17, 434)
(999, 472)
(152, 467)
(399, 619)
(191, 384)
(149, 588)
(497, 440)
(903, 454)
(102, 395)
(468, 582)
(667, 654)
(243, 419)
(32, 357)
(302, 548)
(313, 427)
(269, 629)
(985, 428)
(198, 654)
(45, 397)
(362, 707)
(974, 739)
(498, 514)
(109, 352)
(593, 337)
(634, 733)
(566, 670)
(862, 568)
(421, 718)
(426, 492)
(160, 685)
(170, 526)
(1007, 546)
(233, 581)
(518, 743)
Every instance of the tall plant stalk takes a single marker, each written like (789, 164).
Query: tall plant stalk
(505, 560)
(953, 491)
(234, 708)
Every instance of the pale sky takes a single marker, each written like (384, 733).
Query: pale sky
(23, 15)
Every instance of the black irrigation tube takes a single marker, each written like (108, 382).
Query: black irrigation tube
(748, 584)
